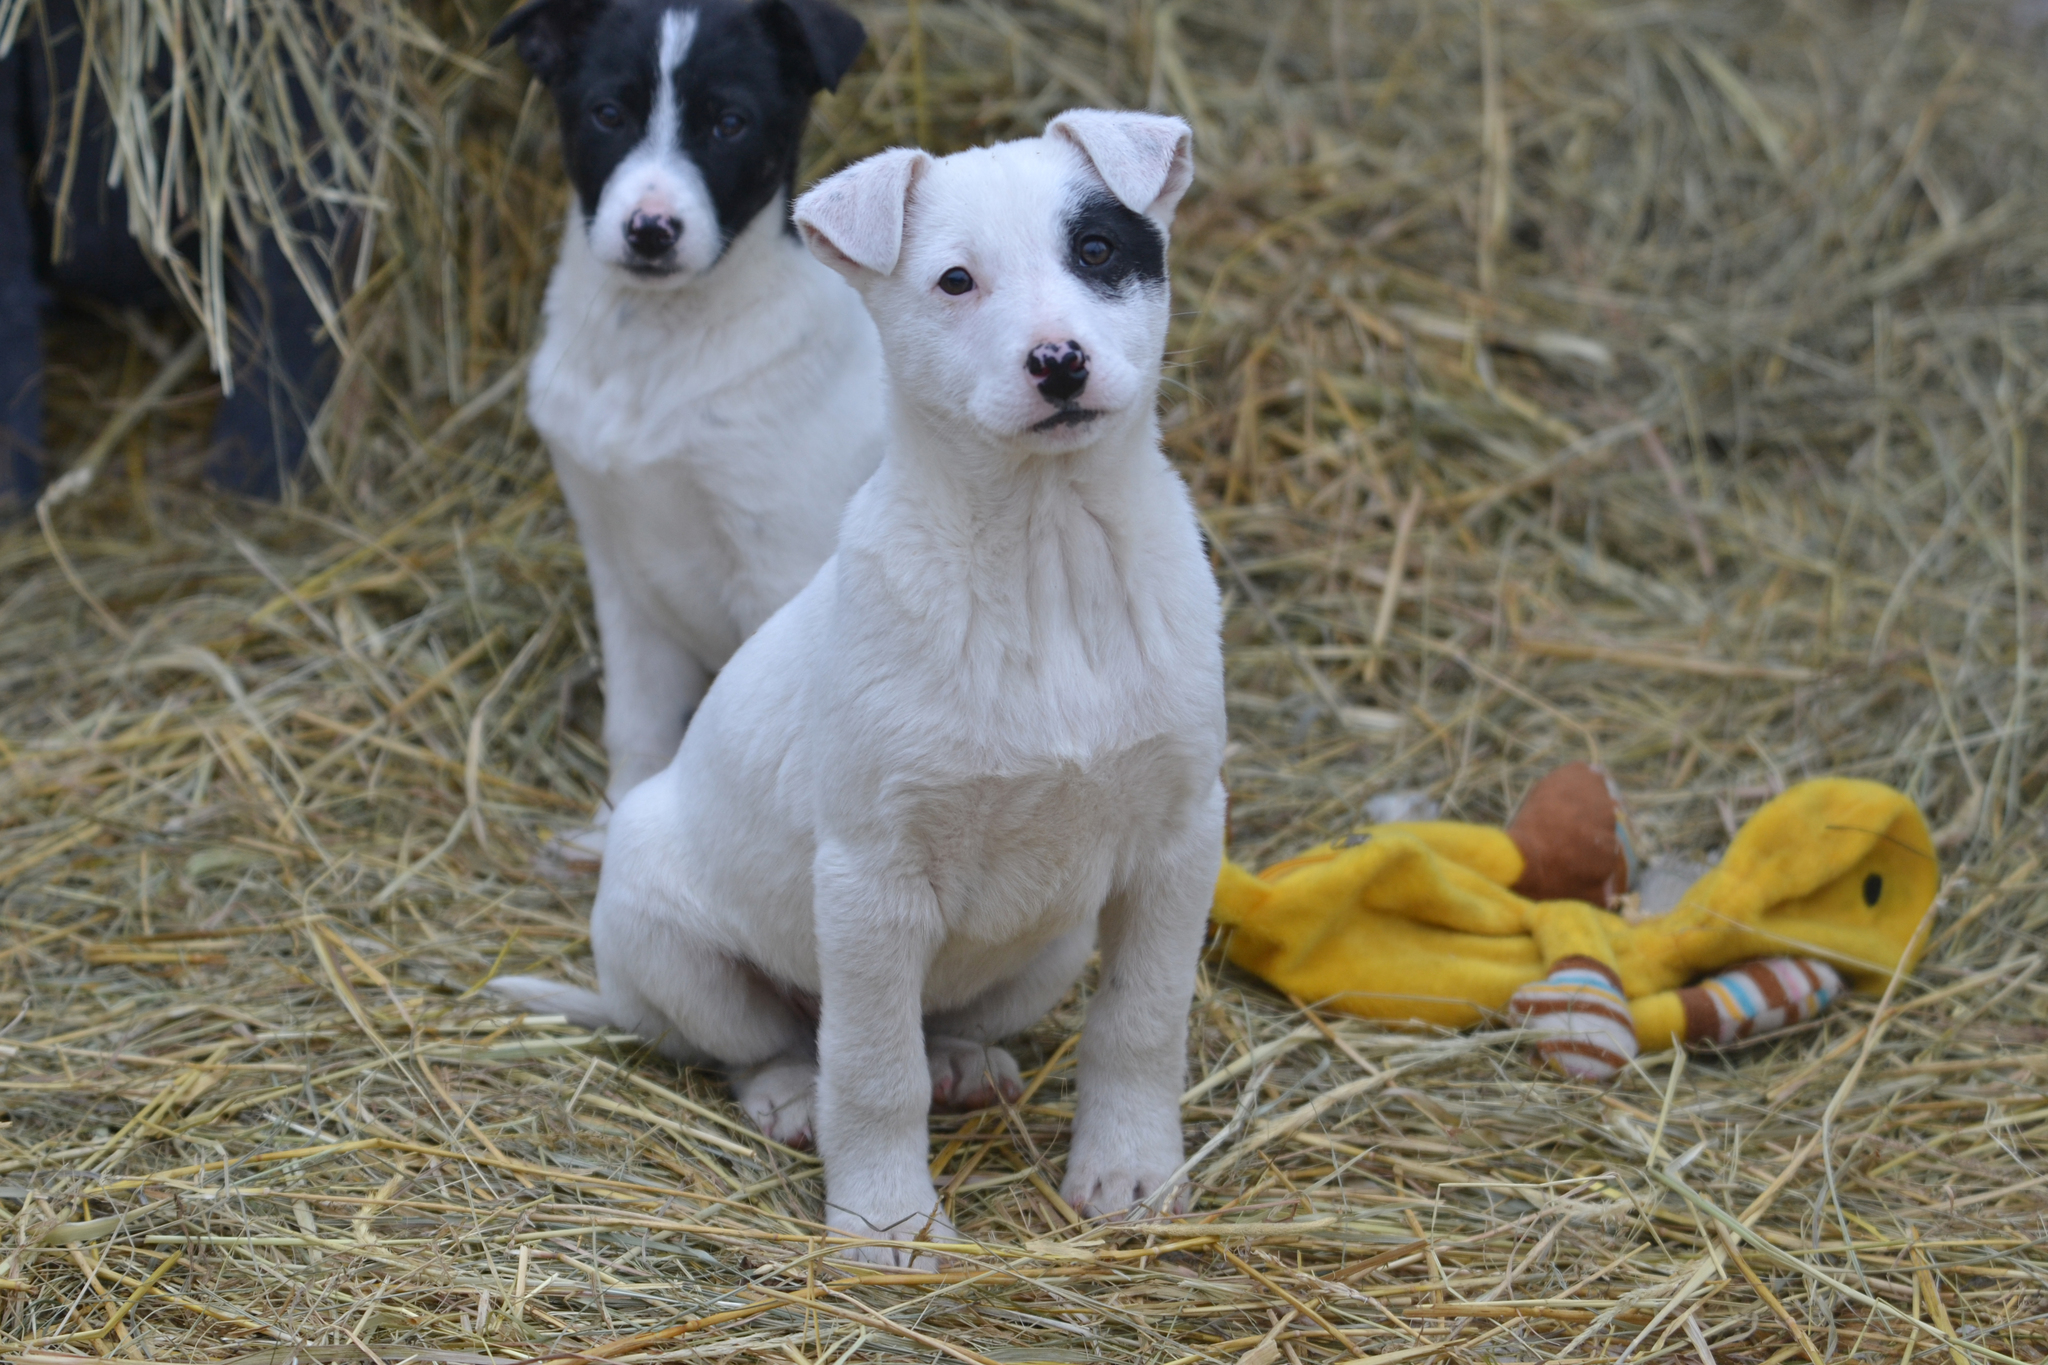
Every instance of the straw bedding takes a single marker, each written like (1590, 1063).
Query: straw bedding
(1662, 383)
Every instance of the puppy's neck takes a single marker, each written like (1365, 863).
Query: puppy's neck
(1002, 553)
(989, 499)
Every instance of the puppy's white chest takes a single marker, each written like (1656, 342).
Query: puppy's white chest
(621, 382)
(700, 490)
(647, 465)
(624, 385)
(1017, 859)
(996, 844)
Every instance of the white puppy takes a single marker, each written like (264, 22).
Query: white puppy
(711, 395)
(986, 737)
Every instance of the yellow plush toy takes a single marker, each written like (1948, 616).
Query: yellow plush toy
(1449, 924)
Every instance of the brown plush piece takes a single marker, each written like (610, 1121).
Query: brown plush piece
(1566, 831)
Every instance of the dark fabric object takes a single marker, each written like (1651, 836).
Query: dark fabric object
(21, 297)
(283, 364)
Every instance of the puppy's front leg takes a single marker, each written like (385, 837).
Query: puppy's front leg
(1133, 1062)
(876, 934)
(651, 683)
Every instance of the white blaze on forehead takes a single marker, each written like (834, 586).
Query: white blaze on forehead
(678, 27)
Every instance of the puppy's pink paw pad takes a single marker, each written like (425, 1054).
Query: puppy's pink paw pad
(967, 1075)
(780, 1097)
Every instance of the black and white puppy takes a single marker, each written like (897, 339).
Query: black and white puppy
(710, 393)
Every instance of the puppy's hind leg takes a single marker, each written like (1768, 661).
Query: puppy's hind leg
(700, 1005)
(781, 1097)
(968, 1071)
(723, 1012)
(969, 1075)
(778, 1093)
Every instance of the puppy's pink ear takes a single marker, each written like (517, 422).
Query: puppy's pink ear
(853, 221)
(1147, 160)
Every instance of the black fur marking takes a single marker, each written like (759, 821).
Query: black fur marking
(1137, 255)
(547, 32)
(829, 36)
(762, 62)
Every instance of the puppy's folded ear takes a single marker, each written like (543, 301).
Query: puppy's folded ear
(853, 221)
(1147, 160)
(548, 32)
(823, 38)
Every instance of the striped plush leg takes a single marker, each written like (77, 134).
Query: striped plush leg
(1757, 998)
(1581, 1016)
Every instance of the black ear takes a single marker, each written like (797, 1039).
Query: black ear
(548, 32)
(825, 37)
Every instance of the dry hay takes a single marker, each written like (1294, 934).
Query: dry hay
(1645, 380)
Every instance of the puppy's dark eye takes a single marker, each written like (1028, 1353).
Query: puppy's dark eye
(955, 281)
(1095, 251)
(730, 125)
(608, 116)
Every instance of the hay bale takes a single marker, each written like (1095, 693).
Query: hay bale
(1661, 383)
(227, 122)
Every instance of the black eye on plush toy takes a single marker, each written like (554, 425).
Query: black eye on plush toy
(1873, 888)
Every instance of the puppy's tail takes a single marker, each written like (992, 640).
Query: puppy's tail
(538, 995)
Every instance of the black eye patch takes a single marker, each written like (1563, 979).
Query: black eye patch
(743, 112)
(1109, 247)
(1873, 888)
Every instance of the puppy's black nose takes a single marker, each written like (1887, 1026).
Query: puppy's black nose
(1061, 369)
(652, 235)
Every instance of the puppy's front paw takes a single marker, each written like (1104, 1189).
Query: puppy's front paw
(571, 854)
(967, 1075)
(779, 1096)
(1105, 1183)
(902, 1250)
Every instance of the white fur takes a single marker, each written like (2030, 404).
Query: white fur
(983, 741)
(705, 494)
